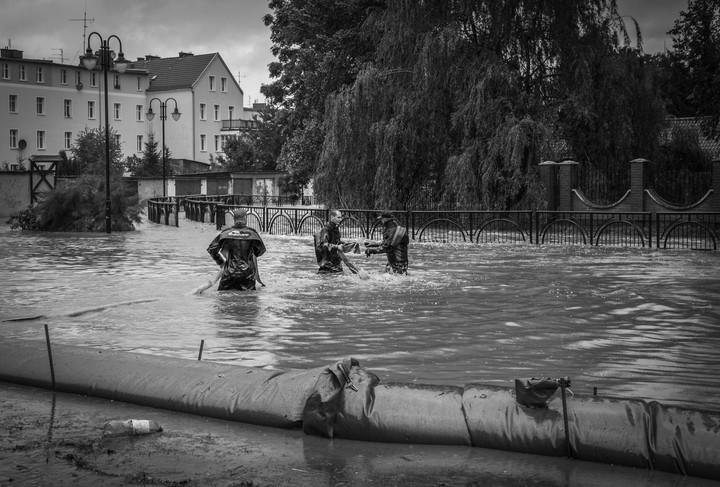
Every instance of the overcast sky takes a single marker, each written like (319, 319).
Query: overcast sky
(49, 29)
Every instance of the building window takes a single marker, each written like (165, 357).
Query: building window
(216, 112)
(211, 79)
(264, 187)
(231, 112)
(67, 140)
(117, 111)
(217, 143)
(117, 139)
(13, 138)
(67, 108)
(223, 84)
(39, 76)
(139, 83)
(139, 143)
(139, 113)
(203, 143)
(63, 76)
(40, 139)
(21, 73)
(91, 109)
(202, 111)
(12, 103)
(5, 71)
(93, 79)
(77, 78)
(40, 105)
(116, 81)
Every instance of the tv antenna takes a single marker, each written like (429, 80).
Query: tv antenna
(62, 56)
(85, 22)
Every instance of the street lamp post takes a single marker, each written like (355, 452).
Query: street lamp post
(90, 60)
(163, 116)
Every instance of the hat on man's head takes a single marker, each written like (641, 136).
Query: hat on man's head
(385, 214)
(239, 213)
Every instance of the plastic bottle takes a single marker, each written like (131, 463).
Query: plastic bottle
(130, 427)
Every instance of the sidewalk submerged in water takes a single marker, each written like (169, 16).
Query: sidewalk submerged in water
(56, 439)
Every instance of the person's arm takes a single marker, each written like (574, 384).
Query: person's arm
(324, 242)
(215, 250)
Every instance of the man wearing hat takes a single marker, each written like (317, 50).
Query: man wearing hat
(237, 249)
(395, 244)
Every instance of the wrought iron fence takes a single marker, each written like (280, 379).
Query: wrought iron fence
(686, 230)
(696, 231)
(605, 186)
(679, 187)
(631, 229)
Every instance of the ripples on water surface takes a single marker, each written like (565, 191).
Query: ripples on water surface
(631, 322)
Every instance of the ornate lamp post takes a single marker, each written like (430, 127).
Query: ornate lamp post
(163, 116)
(90, 60)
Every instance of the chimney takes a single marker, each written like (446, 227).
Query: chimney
(184, 54)
(9, 53)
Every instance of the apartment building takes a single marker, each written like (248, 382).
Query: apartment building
(47, 104)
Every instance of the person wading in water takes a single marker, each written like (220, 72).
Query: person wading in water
(237, 249)
(394, 244)
(327, 244)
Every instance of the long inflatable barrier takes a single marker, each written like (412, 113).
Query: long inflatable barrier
(343, 400)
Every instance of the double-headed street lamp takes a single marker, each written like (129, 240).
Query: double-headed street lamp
(163, 116)
(90, 60)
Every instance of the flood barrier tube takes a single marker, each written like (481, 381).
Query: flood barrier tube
(256, 396)
(352, 403)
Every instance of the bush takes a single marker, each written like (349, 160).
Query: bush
(80, 207)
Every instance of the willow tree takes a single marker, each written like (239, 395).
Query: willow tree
(320, 47)
(463, 97)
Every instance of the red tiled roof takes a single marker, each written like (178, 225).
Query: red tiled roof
(174, 72)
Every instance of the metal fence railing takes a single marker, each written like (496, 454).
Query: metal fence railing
(679, 230)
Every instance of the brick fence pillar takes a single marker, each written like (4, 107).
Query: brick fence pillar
(548, 176)
(567, 181)
(637, 184)
(715, 198)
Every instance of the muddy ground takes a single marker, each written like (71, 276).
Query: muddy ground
(49, 439)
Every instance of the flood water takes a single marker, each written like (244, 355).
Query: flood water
(640, 323)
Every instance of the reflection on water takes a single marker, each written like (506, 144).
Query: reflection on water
(631, 322)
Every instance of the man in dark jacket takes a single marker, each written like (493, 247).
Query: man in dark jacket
(394, 244)
(327, 243)
(237, 249)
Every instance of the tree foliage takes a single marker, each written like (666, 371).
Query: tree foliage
(696, 38)
(79, 206)
(257, 149)
(460, 98)
(151, 162)
(89, 152)
(320, 47)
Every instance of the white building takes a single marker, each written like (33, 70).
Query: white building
(46, 105)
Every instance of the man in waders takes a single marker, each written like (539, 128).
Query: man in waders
(395, 244)
(237, 249)
(327, 244)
